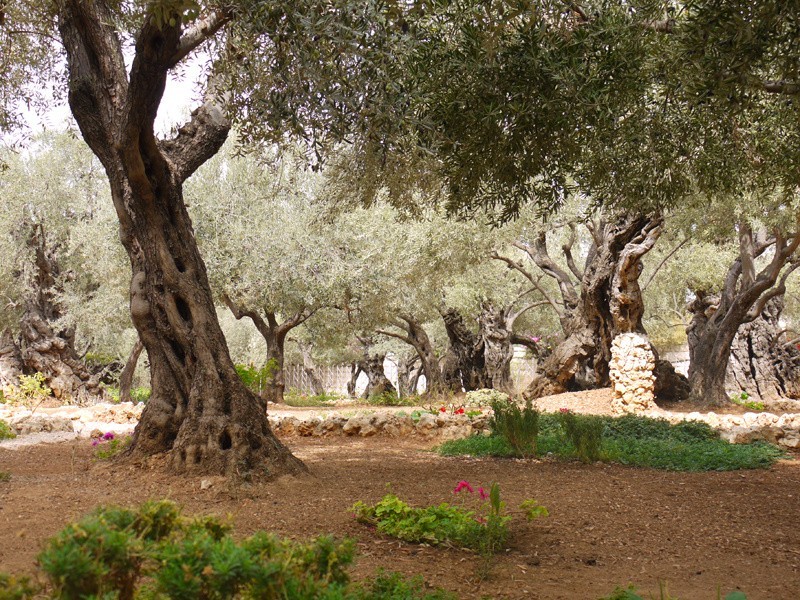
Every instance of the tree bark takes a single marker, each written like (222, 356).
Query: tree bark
(126, 377)
(415, 335)
(496, 335)
(377, 382)
(10, 360)
(199, 411)
(610, 303)
(408, 375)
(45, 347)
(760, 364)
(745, 294)
(468, 349)
(310, 368)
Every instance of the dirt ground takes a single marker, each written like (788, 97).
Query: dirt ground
(608, 524)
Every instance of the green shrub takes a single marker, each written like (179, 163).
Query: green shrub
(295, 398)
(519, 427)
(584, 432)
(390, 399)
(636, 441)
(485, 398)
(13, 588)
(30, 392)
(257, 379)
(140, 395)
(6, 433)
(110, 445)
(155, 552)
(484, 530)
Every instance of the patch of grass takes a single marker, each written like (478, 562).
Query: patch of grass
(742, 400)
(636, 441)
(391, 399)
(6, 433)
(295, 398)
(5, 476)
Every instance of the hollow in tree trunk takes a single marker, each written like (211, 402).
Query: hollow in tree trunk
(199, 411)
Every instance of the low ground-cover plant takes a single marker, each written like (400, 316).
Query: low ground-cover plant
(630, 593)
(483, 528)
(155, 552)
(391, 399)
(138, 394)
(742, 399)
(6, 433)
(636, 441)
(296, 398)
(110, 445)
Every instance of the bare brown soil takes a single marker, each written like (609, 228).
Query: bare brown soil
(608, 525)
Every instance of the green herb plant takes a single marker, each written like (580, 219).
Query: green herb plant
(519, 427)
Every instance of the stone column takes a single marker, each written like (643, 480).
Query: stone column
(631, 371)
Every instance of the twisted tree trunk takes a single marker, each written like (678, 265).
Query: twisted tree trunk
(199, 411)
(610, 302)
(717, 318)
(468, 349)
(495, 331)
(310, 368)
(47, 348)
(10, 360)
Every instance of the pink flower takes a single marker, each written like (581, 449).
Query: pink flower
(536, 339)
(483, 493)
(109, 435)
(95, 442)
(564, 410)
(463, 485)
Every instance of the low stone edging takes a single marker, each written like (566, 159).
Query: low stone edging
(783, 430)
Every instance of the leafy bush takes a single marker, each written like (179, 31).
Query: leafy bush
(484, 398)
(636, 441)
(13, 588)
(138, 394)
(519, 427)
(155, 552)
(294, 398)
(6, 433)
(390, 399)
(485, 530)
(30, 392)
(257, 379)
(585, 433)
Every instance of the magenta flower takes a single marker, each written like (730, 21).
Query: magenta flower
(109, 435)
(463, 485)
(95, 442)
(483, 493)
(563, 410)
(536, 339)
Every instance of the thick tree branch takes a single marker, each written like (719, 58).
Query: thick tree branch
(566, 248)
(239, 313)
(512, 264)
(200, 31)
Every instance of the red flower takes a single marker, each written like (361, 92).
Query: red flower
(460, 411)
(443, 409)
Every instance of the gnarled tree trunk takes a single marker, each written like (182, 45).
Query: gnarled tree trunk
(377, 382)
(47, 348)
(760, 363)
(496, 333)
(415, 335)
(610, 301)
(468, 349)
(717, 318)
(310, 368)
(10, 360)
(199, 411)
